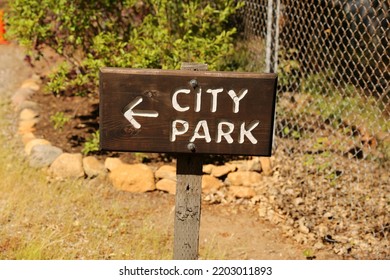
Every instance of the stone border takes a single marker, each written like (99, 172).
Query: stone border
(239, 177)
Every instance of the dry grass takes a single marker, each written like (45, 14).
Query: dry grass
(70, 220)
(43, 219)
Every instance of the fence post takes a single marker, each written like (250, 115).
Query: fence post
(269, 37)
(276, 54)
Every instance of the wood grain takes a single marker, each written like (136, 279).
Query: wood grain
(120, 86)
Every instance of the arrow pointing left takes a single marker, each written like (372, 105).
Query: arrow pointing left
(130, 112)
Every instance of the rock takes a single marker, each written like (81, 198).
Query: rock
(208, 168)
(28, 114)
(302, 227)
(111, 163)
(67, 166)
(262, 210)
(21, 95)
(27, 126)
(250, 165)
(210, 184)
(93, 167)
(274, 217)
(166, 185)
(31, 84)
(133, 178)
(298, 201)
(300, 238)
(266, 166)
(241, 192)
(33, 143)
(319, 245)
(27, 104)
(254, 164)
(27, 137)
(322, 230)
(219, 171)
(243, 178)
(328, 215)
(43, 155)
(166, 172)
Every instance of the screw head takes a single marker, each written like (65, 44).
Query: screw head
(191, 147)
(194, 83)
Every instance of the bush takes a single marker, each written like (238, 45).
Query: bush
(123, 33)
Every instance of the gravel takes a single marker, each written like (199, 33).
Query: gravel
(343, 208)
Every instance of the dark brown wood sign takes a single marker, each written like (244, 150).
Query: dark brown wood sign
(169, 111)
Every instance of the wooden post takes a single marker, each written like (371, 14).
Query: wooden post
(188, 207)
(188, 197)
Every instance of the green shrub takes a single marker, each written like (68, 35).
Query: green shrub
(122, 33)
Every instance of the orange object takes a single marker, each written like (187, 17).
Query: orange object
(2, 29)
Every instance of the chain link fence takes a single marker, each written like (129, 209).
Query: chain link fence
(332, 147)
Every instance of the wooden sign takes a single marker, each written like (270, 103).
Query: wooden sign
(205, 112)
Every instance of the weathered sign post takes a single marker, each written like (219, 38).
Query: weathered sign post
(188, 200)
(189, 113)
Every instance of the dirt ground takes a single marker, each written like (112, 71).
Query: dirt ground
(236, 231)
(241, 234)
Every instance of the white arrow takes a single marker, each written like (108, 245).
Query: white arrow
(130, 112)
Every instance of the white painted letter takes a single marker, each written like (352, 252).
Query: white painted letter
(248, 133)
(175, 104)
(214, 92)
(236, 99)
(225, 134)
(198, 100)
(176, 131)
(206, 133)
